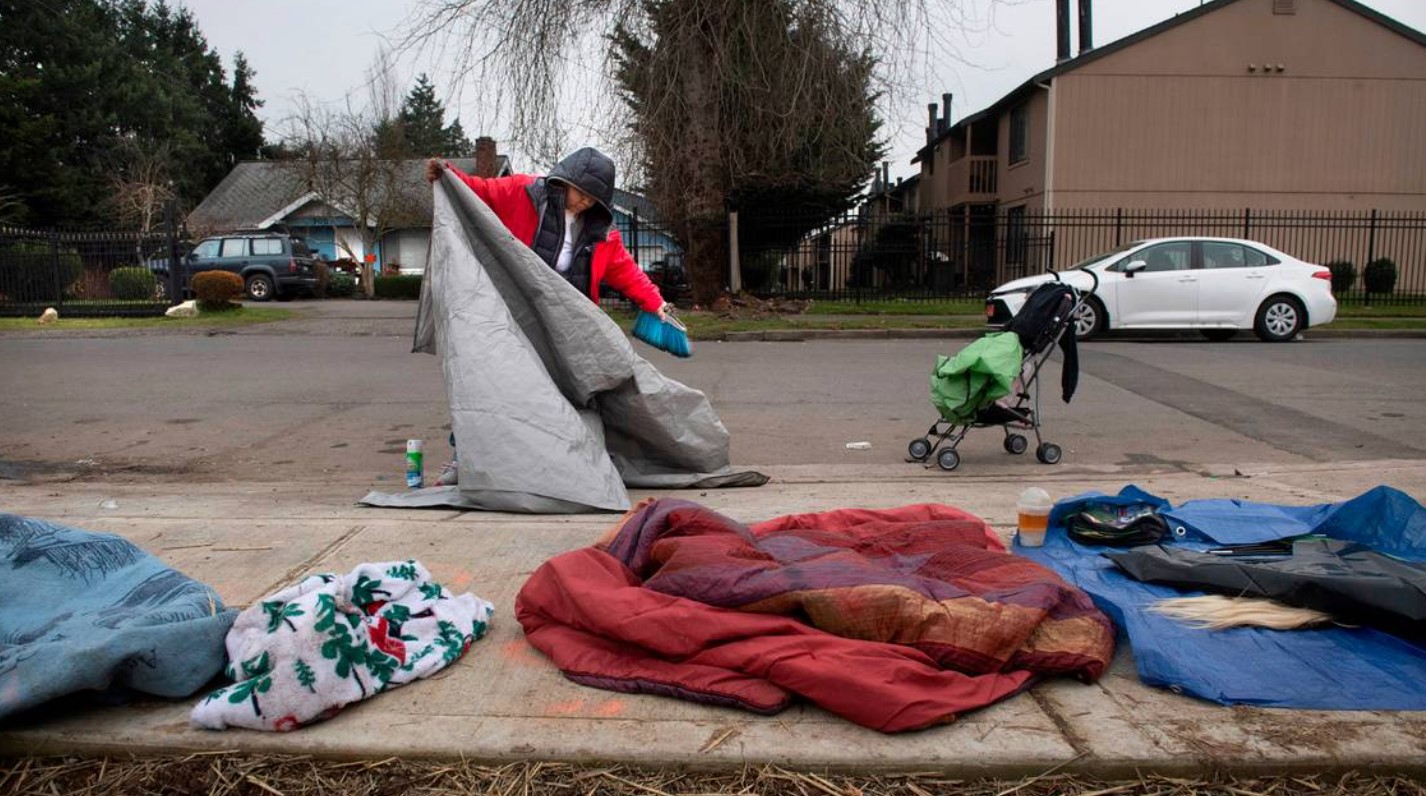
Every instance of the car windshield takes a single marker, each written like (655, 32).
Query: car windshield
(1102, 256)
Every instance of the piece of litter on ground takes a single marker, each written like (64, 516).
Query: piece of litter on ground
(718, 738)
(858, 446)
(108, 504)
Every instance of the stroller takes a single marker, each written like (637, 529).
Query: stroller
(995, 380)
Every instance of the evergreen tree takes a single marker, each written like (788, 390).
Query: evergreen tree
(86, 83)
(423, 125)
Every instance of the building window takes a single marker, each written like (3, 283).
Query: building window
(1019, 133)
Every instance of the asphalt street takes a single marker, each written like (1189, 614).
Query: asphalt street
(336, 395)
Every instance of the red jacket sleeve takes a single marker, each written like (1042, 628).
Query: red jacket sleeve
(507, 197)
(625, 275)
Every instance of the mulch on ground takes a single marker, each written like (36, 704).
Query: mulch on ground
(223, 773)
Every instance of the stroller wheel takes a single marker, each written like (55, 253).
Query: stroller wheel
(919, 449)
(1048, 453)
(1016, 444)
(949, 459)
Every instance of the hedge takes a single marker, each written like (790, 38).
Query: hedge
(1380, 275)
(215, 290)
(1344, 276)
(398, 287)
(27, 271)
(132, 283)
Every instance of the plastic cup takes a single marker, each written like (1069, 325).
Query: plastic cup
(1033, 517)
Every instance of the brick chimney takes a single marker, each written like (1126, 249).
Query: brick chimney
(485, 157)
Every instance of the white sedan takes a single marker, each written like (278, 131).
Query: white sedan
(1215, 285)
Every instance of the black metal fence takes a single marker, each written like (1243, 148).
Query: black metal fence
(965, 252)
(84, 273)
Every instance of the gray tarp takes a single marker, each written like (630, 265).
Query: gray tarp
(552, 410)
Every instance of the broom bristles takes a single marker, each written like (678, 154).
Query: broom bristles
(668, 335)
(1216, 612)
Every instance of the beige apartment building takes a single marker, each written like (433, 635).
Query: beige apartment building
(1263, 104)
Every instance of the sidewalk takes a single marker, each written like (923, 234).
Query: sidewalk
(504, 702)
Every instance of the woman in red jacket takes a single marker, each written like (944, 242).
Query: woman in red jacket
(565, 218)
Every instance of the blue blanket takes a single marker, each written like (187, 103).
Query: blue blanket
(1331, 669)
(86, 611)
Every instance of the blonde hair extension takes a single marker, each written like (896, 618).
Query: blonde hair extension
(1215, 612)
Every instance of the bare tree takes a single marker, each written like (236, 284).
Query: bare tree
(140, 183)
(527, 55)
(338, 157)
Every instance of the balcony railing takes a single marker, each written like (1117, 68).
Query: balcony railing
(974, 178)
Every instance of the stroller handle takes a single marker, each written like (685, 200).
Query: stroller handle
(1092, 275)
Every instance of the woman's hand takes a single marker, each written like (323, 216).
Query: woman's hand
(663, 311)
(434, 167)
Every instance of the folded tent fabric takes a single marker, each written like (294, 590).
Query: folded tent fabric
(977, 375)
(88, 611)
(302, 654)
(912, 615)
(1335, 668)
(552, 410)
(1352, 583)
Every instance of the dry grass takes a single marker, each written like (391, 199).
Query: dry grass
(224, 773)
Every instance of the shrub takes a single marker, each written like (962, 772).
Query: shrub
(340, 285)
(215, 290)
(1380, 275)
(132, 283)
(27, 271)
(1344, 275)
(398, 287)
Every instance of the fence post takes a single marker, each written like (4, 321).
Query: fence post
(634, 234)
(175, 263)
(54, 271)
(1118, 227)
(1371, 238)
(1052, 250)
(1247, 221)
(735, 267)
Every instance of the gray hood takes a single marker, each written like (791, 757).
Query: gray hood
(590, 171)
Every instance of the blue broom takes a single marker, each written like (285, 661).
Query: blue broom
(667, 335)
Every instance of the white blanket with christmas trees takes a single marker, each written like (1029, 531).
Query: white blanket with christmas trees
(302, 654)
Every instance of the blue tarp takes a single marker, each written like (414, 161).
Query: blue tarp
(84, 611)
(1329, 669)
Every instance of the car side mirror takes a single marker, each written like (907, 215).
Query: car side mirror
(1134, 267)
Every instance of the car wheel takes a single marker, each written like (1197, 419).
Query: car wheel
(1219, 335)
(259, 287)
(1090, 319)
(1280, 318)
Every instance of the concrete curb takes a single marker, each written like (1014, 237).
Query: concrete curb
(804, 335)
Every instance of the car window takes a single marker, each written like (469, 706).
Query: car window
(1174, 256)
(267, 246)
(208, 248)
(1223, 255)
(235, 247)
(1105, 255)
(1255, 258)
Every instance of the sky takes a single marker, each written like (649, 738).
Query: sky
(323, 49)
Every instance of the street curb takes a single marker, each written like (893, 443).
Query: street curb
(804, 335)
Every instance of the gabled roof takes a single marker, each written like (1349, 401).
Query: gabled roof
(630, 202)
(260, 193)
(1134, 38)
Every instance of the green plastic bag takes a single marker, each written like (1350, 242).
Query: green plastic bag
(976, 376)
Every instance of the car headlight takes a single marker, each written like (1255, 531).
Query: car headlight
(1015, 291)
